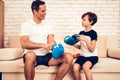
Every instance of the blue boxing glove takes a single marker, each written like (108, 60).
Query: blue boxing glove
(57, 50)
(71, 40)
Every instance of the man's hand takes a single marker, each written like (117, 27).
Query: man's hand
(47, 47)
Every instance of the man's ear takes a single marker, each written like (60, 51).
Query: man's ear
(34, 11)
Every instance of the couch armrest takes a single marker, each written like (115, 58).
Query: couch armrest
(10, 53)
(114, 53)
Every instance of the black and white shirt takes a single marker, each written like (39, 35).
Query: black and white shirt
(91, 35)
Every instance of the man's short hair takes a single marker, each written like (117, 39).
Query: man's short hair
(36, 3)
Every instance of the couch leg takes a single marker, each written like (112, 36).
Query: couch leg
(0, 75)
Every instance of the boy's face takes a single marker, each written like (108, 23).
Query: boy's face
(85, 21)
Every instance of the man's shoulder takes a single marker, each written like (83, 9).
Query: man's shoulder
(27, 23)
(47, 24)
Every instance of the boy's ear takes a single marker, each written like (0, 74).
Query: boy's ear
(91, 22)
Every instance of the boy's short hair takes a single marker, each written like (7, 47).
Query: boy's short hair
(92, 17)
(36, 3)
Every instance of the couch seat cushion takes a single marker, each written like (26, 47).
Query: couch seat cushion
(18, 66)
(104, 65)
(107, 65)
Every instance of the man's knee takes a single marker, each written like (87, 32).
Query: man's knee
(68, 57)
(30, 56)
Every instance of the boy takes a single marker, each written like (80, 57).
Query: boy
(87, 45)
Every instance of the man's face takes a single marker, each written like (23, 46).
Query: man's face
(40, 14)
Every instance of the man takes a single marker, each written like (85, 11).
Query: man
(37, 39)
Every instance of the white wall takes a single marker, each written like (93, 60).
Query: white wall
(65, 15)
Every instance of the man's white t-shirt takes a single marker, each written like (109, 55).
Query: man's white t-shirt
(37, 33)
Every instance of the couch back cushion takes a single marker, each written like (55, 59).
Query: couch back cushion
(113, 41)
(14, 42)
(102, 46)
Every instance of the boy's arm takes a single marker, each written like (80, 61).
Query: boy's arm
(91, 45)
(77, 46)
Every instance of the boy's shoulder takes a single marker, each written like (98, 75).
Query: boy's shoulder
(93, 31)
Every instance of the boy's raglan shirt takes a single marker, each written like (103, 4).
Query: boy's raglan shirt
(91, 35)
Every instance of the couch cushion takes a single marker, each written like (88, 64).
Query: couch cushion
(102, 46)
(107, 65)
(14, 42)
(113, 41)
(114, 53)
(104, 65)
(10, 53)
(18, 66)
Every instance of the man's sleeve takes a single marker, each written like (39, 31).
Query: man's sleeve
(24, 30)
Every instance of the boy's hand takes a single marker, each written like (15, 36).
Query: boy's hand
(82, 38)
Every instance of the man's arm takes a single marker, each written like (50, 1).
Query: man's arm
(50, 39)
(27, 44)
